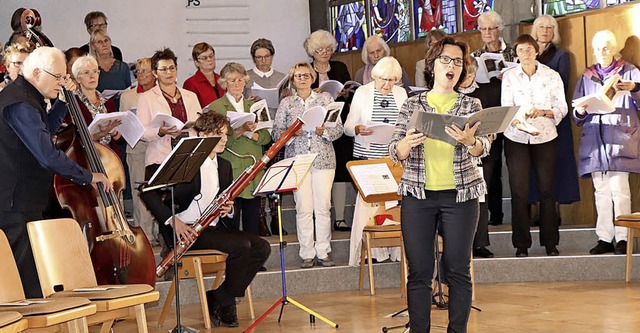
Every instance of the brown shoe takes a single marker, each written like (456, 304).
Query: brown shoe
(263, 231)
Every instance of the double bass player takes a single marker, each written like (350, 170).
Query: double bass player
(28, 157)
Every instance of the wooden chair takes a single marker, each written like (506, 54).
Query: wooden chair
(63, 262)
(196, 264)
(632, 223)
(12, 322)
(68, 315)
(374, 236)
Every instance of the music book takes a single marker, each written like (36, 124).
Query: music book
(334, 87)
(285, 175)
(24, 302)
(109, 93)
(262, 118)
(605, 100)
(318, 115)
(492, 120)
(167, 120)
(382, 133)
(374, 179)
(131, 128)
(271, 95)
(98, 288)
(491, 65)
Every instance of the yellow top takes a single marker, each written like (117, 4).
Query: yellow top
(438, 155)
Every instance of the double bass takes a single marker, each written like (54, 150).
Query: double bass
(120, 253)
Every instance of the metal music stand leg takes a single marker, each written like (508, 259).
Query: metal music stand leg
(285, 299)
(179, 327)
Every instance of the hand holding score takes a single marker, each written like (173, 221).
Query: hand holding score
(467, 136)
(412, 139)
(363, 130)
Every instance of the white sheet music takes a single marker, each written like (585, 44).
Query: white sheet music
(382, 133)
(274, 178)
(131, 128)
(374, 178)
(168, 120)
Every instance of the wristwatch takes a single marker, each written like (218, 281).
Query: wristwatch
(471, 146)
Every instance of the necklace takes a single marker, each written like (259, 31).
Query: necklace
(172, 97)
(322, 72)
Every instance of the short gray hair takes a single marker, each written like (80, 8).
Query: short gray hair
(319, 39)
(81, 63)
(547, 19)
(232, 68)
(605, 35)
(494, 17)
(374, 38)
(387, 67)
(42, 58)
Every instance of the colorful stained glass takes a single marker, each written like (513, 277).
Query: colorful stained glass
(391, 20)
(349, 25)
(471, 10)
(434, 14)
(562, 7)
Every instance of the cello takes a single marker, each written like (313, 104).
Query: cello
(120, 253)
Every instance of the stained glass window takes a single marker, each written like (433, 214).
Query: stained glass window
(471, 10)
(434, 14)
(562, 7)
(391, 20)
(349, 25)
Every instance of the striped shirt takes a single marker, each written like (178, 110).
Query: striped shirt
(385, 110)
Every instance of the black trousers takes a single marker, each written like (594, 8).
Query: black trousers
(492, 173)
(456, 221)
(247, 253)
(520, 158)
(249, 210)
(14, 226)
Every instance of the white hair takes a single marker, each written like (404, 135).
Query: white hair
(550, 20)
(605, 36)
(494, 17)
(43, 58)
(386, 68)
(319, 39)
(81, 63)
(374, 38)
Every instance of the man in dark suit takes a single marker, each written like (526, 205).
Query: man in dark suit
(247, 252)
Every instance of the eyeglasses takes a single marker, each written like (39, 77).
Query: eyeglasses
(236, 80)
(302, 76)
(488, 29)
(59, 77)
(167, 69)
(324, 50)
(205, 58)
(263, 58)
(88, 72)
(447, 60)
(99, 25)
(388, 80)
(141, 71)
(16, 63)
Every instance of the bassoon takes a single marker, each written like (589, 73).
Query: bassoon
(212, 212)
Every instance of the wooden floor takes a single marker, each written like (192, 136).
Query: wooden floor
(579, 307)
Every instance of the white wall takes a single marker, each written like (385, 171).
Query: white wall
(139, 27)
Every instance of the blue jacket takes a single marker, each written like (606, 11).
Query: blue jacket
(609, 142)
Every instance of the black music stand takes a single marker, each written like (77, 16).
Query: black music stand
(180, 167)
(286, 176)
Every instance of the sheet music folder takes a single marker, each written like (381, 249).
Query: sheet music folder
(361, 182)
(183, 163)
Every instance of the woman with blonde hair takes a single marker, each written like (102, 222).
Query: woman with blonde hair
(114, 73)
(313, 197)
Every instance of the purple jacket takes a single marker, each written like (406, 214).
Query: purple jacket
(609, 142)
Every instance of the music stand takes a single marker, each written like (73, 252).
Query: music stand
(286, 176)
(182, 164)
